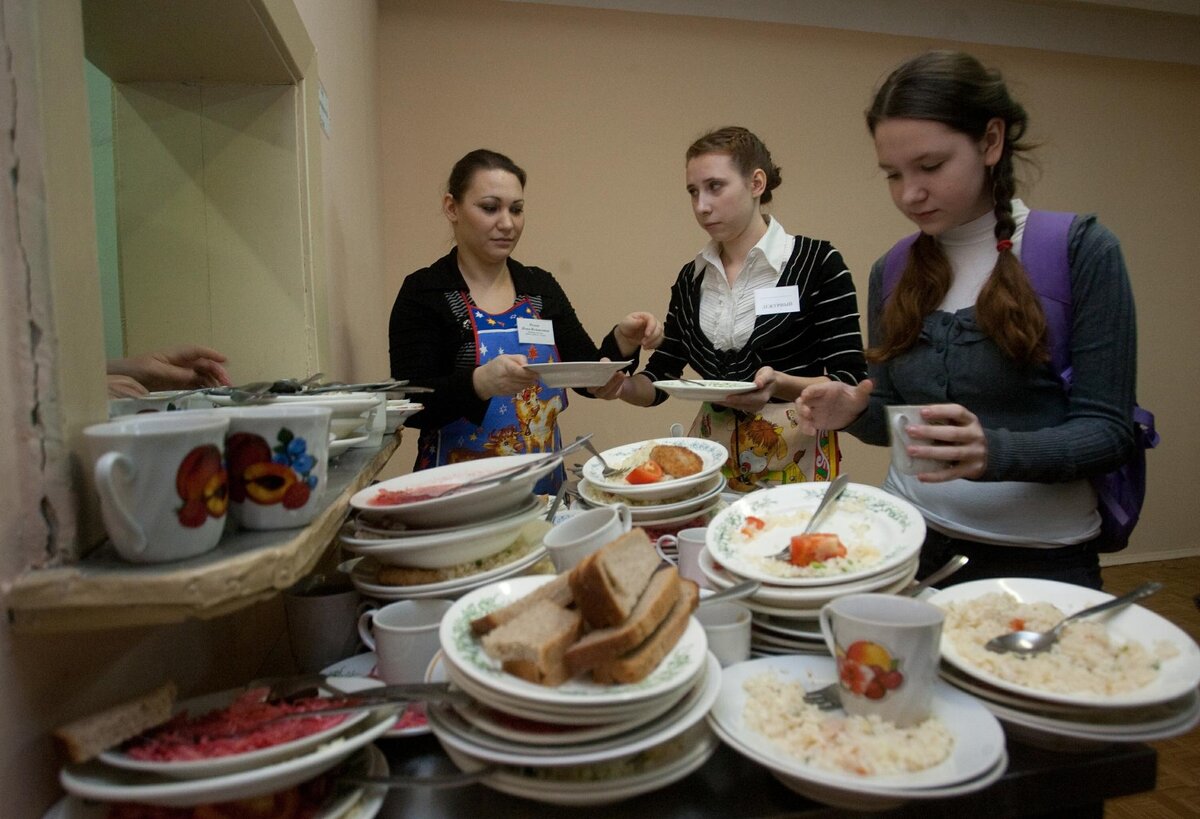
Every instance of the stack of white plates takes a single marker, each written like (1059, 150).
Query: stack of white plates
(977, 757)
(116, 777)
(1167, 706)
(465, 538)
(668, 505)
(882, 533)
(632, 737)
(399, 409)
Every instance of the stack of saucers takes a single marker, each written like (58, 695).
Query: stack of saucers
(560, 744)
(882, 536)
(417, 538)
(664, 506)
(1128, 677)
(967, 755)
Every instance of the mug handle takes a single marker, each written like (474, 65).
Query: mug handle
(827, 630)
(658, 547)
(114, 474)
(625, 514)
(364, 627)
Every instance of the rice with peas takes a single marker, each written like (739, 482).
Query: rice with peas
(1086, 659)
(865, 746)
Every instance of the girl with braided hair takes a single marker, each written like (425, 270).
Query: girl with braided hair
(760, 305)
(963, 333)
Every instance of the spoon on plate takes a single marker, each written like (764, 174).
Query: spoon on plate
(1035, 642)
(832, 493)
(735, 592)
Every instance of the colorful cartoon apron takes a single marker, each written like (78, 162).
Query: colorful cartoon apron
(520, 424)
(768, 447)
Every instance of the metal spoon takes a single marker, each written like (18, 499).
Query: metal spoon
(832, 493)
(1035, 642)
(735, 592)
(952, 565)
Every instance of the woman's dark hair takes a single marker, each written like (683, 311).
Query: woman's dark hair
(748, 153)
(481, 159)
(956, 90)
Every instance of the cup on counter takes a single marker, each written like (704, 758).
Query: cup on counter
(278, 457)
(687, 544)
(727, 627)
(887, 650)
(322, 620)
(162, 483)
(900, 418)
(577, 537)
(404, 637)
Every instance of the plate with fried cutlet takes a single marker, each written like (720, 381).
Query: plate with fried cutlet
(657, 468)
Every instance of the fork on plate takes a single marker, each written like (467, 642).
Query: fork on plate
(606, 469)
(827, 698)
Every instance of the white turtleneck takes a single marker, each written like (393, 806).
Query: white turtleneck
(971, 251)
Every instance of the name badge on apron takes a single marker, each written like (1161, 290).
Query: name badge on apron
(771, 300)
(535, 331)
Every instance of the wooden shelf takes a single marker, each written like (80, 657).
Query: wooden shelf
(102, 591)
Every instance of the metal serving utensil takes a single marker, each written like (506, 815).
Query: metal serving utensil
(1035, 642)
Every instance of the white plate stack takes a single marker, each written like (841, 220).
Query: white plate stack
(117, 777)
(882, 533)
(580, 743)
(976, 759)
(1074, 717)
(668, 505)
(439, 544)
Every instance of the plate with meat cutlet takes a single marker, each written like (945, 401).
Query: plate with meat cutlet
(655, 469)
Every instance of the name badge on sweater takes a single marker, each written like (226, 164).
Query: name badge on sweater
(771, 300)
(535, 331)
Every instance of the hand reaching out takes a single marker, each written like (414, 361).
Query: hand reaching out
(831, 405)
(503, 375)
(182, 367)
(638, 330)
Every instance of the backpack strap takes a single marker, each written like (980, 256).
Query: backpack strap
(893, 264)
(1045, 256)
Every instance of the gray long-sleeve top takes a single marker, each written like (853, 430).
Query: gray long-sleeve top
(1035, 430)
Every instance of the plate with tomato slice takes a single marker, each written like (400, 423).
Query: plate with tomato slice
(656, 469)
(866, 532)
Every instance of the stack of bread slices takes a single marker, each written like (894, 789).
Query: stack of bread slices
(616, 615)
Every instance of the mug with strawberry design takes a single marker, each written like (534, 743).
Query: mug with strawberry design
(278, 460)
(887, 650)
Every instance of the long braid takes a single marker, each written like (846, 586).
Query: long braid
(1008, 309)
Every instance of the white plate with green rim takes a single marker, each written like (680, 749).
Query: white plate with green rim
(704, 389)
(879, 530)
(577, 373)
(627, 456)
(464, 651)
(694, 498)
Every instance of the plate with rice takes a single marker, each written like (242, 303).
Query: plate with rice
(879, 531)
(681, 470)
(1132, 657)
(762, 714)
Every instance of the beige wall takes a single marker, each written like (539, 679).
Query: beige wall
(599, 106)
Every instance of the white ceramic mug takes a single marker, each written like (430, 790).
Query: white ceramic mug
(578, 536)
(278, 457)
(887, 650)
(162, 483)
(727, 627)
(322, 618)
(404, 637)
(688, 543)
(900, 418)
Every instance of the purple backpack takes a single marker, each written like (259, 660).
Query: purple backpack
(1044, 253)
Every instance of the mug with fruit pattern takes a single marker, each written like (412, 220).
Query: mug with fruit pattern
(278, 457)
(887, 650)
(162, 483)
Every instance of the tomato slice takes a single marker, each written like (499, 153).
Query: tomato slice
(809, 549)
(649, 472)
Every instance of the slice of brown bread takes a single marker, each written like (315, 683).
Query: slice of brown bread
(86, 737)
(606, 584)
(557, 591)
(533, 643)
(606, 644)
(637, 664)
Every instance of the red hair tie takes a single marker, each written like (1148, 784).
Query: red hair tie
(1003, 245)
